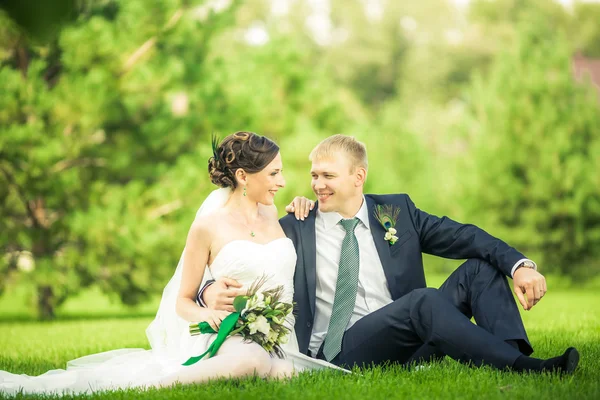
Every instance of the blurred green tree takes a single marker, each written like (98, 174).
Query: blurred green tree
(496, 22)
(40, 20)
(91, 122)
(584, 29)
(105, 121)
(106, 132)
(535, 167)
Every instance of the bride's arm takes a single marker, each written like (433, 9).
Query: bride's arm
(195, 258)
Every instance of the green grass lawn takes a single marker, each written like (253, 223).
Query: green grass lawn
(564, 318)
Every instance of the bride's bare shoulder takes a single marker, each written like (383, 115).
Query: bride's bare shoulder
(204, 225)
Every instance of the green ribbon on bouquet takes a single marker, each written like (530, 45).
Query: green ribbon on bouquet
(227, 326)
(226, 329)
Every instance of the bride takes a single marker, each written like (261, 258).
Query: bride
(235, 234)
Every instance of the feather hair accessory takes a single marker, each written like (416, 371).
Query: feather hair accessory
(215, 148)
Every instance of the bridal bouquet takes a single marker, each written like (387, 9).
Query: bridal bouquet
(259, 317)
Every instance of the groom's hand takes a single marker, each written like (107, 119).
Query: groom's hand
(300, 206)
(220, 295)
(529, 282)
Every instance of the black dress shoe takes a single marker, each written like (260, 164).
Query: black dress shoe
(571, 360)
(565, 364)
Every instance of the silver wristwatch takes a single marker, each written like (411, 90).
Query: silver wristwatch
(527, 264)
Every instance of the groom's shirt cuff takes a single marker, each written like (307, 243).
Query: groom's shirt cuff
(201, 292)
(512, 271)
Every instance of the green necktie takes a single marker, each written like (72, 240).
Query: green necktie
(345, 291)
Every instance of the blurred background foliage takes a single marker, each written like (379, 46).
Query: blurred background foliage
(107, 108)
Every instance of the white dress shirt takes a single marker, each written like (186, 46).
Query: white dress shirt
(373, 292)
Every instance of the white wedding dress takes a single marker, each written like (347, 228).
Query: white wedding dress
(171, 343)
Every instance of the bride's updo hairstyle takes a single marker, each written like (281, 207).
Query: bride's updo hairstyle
(245, 150)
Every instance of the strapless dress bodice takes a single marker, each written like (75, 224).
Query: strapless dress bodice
(246, 261)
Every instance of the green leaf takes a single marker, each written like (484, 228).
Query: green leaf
(239, 303)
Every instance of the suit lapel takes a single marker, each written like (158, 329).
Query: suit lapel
(383, 247)
(309, 249)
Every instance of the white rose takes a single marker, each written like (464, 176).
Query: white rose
(260, 325)
(388, 236)
(392, 231)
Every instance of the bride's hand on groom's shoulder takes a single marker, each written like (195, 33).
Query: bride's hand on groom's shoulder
(220, 295)
(300, 206)
(213, 317)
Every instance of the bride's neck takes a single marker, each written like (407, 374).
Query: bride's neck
(240, 204)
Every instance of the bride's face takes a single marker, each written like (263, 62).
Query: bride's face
(263, 185)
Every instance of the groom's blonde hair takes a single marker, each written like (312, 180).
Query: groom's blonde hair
(355, 150)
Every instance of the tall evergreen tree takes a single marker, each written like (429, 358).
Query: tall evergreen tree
(536, 152)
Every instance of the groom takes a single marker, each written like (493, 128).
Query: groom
(360, 287)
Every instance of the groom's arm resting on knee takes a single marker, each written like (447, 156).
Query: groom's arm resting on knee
(447, 238)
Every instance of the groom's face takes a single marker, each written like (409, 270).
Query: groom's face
(334, 182)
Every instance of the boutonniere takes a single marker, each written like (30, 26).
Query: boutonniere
(387, 215)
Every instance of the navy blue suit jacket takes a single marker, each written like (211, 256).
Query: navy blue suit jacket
(417, 231)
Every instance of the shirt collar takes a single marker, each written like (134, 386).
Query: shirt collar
(331, 219)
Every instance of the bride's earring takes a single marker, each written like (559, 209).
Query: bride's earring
(244, 191)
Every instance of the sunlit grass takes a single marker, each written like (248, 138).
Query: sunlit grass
(562, 319)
